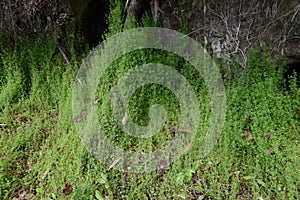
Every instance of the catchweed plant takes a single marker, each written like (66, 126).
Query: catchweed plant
(12, 81)
(33, 89)
(138, 110)
(257, 96)
(44, 156)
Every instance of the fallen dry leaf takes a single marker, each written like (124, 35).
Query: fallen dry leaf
(297, 111)
(160, 172)
(22, 195)
(68, 189)
(161, 168)
(195, 178)
(237, 172)
(267, 136)
(80, 116)
(225, 77)
(187, 148)
(249, 119)
(202, 167)
(178, 129)
(96, 100)
(127, 176)
(273, 148)
(248, 135)
(45, 174)
(125, 119)
(114, 163)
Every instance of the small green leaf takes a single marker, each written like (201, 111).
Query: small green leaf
(260, 182)
(103, 179)
(39, 190)
(212, 193)
(199, 189)
(53, 196)
(201, 197)
(98, 195)
(189, 173)
(179, 179)
(106, 185)
(248, 177)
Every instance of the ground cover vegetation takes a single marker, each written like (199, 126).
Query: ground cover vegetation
(42, 157)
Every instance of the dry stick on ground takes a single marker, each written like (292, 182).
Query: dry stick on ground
(125, 13)
(156, 9)
(63, 54)
(51, 28)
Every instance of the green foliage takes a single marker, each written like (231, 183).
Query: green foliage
(260, 65)
(115, 18)
(41, 151)
(35, 85)
(8, 181)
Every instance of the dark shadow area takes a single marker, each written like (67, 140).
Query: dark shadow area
(94, 21)
(138, 8)
(291, 69)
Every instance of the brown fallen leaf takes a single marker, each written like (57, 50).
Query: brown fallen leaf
(96, 100)
(125, 119)
(267, 136)
(22, 195)
(127, 176)
(160, 172)
(195, 178)
(273, 148)
(249, 119)
(178, 129)
(225, 77)
(202, 167)
(248, 135)
(297, 111)
(80, 116)
(187, 148)
(114, 163)
(161, 168)
(68, 189)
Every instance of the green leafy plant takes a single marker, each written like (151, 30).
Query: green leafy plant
(41, 152)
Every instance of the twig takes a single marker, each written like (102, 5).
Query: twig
(125, 12)
(114, 163)
(63, 54)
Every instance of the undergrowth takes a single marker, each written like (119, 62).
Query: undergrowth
(42, 157)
